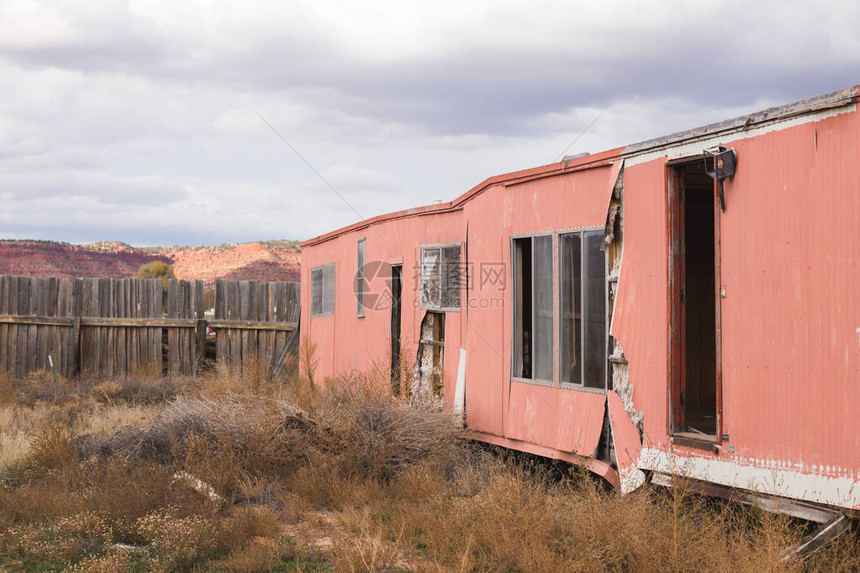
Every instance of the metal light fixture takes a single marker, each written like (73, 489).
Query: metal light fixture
(720, 164)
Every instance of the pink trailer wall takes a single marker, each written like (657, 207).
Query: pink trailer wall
(790, 267)
(549, 199)
(347, 344)
(790, 258)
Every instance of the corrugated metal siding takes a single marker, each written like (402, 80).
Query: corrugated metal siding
(790, 256)
(641, 315)
(791, 272)
(790, 268)
(565, 419)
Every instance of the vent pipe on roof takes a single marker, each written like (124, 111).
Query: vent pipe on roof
(577, 156)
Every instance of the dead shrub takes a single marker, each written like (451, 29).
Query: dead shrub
(140, 390)
(106, 391)
(376, 435)
(124, 491)
(68, 538)
(176, 539)
(50, 449)
(8, 388)
(253, 378)
(401, 488)
(244, 525)
(43, 386)
(265, 554)
(109, 562)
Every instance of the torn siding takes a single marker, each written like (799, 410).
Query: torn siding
(625, 437)
(427, 382)
(613, 241)
(621, 385)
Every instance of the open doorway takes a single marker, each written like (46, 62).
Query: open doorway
(694, 332)
(396, 314)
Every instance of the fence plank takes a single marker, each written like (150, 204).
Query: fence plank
(172, 342)
(33, 302)
(220, 334)
(233, 312)
(4, 328)
(109, 327)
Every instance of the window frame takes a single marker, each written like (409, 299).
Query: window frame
(322, 311)
(513, 314)
(361, 280)
(581, 231)
(442, 286)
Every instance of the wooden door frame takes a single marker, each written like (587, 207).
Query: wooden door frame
(677, 311)
(396, 308)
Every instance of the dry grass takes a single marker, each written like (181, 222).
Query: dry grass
(242, 472)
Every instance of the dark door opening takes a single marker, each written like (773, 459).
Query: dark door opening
(694, 397)
(396, 312)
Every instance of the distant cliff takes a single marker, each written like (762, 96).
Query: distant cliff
(271, 260)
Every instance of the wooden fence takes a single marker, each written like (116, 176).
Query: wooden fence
(111, 327)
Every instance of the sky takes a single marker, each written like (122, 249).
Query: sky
(204, 122)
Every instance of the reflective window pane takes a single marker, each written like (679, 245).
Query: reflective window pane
(595, 311)
(543, 308)
(570, 313)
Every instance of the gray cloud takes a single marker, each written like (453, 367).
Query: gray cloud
(112, 115)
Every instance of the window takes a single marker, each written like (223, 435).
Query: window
(582, 316)
(360, 281)
(440, 277)
(533, 308)
(322, 290)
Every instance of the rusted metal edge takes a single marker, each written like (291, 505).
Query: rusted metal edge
(552, 169)
(595, 466)
(558, 172)
(830, 100)
(775, 504)
(706, 443)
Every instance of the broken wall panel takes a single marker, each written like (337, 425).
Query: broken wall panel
(640, 314)
(627, 445)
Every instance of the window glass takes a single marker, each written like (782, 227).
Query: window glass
(533, 308)
(595, 311)
(431, 276)
(441, 277)
(316, 291)
(451, 277)
(322, 290)
(570, 314)
(522, 281)
(582, 300)
(543, 307)
(360, 280)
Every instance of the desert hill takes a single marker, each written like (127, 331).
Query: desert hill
(270, 260)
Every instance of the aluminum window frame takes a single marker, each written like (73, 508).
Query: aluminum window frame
(323, 311)
(580, 386)
(442, 286)
(360, 279)
(512, 240)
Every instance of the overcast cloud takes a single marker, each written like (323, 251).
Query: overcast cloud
(138, 121)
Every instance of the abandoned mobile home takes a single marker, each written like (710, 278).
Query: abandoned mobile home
(685, 306)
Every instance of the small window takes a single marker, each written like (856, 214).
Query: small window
(322, 290)
(441, 277)
(582, 298)
(360, 281)
(533, 308)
